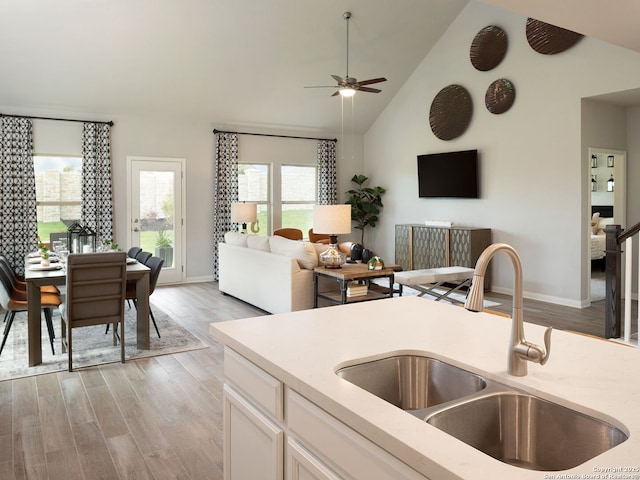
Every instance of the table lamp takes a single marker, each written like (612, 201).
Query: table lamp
(244, 213)
(332, 220)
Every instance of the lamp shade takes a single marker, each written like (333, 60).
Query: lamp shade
(244, 212)
(332, 219)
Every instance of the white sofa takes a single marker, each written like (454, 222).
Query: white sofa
(274, 274)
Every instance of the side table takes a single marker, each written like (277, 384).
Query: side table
(351, 272)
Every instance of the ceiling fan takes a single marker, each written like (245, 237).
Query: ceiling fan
(348, 86)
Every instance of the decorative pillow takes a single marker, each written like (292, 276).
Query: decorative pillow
(595, 223)
(303, 252)
(236, 238)
(258, 242)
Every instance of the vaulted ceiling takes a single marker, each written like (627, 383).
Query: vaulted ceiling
(240, 62)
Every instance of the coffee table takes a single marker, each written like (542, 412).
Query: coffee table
(352, 272)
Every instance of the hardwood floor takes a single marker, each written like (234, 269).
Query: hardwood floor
(160, 417)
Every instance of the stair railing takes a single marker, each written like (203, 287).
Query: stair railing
(616, 238)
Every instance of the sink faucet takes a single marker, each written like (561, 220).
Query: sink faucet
(520, 351)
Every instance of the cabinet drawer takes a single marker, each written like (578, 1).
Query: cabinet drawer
(340, 446)
(265, 390)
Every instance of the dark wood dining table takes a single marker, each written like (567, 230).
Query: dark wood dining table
(38, 278)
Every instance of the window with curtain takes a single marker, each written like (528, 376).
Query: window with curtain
(58, 192)
(285, 194)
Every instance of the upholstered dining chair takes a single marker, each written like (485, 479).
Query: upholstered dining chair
(14, 300)
(133, 252)
(318, 237)
(143, 256)
(155, 265)
(96, 286)
(19, 282)
(291, 233)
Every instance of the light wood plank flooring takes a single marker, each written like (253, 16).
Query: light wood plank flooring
(154, 418)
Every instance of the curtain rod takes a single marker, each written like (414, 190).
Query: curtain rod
(278, 136)
(51, 118)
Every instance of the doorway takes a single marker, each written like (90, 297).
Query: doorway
(156, 211)
(608, 198)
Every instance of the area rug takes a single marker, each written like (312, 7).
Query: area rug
(91, 346)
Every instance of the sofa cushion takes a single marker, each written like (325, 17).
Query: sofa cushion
(303, 252)
(258, 243)
(236, 238)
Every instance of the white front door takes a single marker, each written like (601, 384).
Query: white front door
(156, 211)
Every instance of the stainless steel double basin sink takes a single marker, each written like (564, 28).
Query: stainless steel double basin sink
(510, 425)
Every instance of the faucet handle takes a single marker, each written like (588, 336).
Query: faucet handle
(547, 345)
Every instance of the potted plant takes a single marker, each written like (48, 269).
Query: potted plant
(366, 203)
(44, 255)
(164, 248)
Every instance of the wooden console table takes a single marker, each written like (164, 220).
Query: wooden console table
(351, 272)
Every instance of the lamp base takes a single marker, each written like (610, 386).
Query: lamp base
(332, 257)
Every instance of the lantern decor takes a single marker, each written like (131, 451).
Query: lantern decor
(81, 239)
(73, 242)
(87, 239)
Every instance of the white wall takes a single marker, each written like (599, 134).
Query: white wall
(532, 168)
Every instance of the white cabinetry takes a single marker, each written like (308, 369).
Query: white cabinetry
(318, 446)
(253, 443)
(253, 438)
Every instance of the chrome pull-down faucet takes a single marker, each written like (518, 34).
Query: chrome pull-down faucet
(520, 350)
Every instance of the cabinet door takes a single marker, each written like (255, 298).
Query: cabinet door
(303, 465)
(403, 247)
(430, 247)
(253, 444)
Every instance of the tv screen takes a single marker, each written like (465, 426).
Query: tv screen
(450, 174)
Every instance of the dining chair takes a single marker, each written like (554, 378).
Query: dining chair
(291, 233)
(155, 265)
(19, 282)
(96, 286)
(133, 252)
(13, 301)
(318, 237)
(143, 256)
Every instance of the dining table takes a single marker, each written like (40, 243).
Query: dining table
(39, 277)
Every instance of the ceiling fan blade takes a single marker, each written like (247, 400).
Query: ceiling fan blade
(373, 80)
(336, 93)
(338, 79)
(320, 86)
(370, 90)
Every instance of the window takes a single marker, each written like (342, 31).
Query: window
(58, 193)
(298, 196)
(253, 186)
(285, 196)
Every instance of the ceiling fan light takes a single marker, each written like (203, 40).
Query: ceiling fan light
(347, 91)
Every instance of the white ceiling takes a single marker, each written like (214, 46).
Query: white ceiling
(240, 62)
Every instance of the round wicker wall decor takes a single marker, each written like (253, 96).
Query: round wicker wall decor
(548, 39)
(500, 96)
(488, 48)
(450, 112)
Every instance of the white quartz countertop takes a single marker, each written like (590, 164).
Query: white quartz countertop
(303, 350)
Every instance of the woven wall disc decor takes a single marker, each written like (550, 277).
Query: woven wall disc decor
(450, 112)
(548, 39)
(488, 48)
(500, 96)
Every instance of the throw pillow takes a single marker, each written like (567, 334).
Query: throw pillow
(303, 252)
(595, 221)
(236, 238)
(258, 243)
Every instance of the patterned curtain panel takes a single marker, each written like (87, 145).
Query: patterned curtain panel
(19, 232)
(97, 197)
(327, 177)
(225, 189)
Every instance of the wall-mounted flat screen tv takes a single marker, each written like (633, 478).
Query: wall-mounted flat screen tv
(450, 174)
